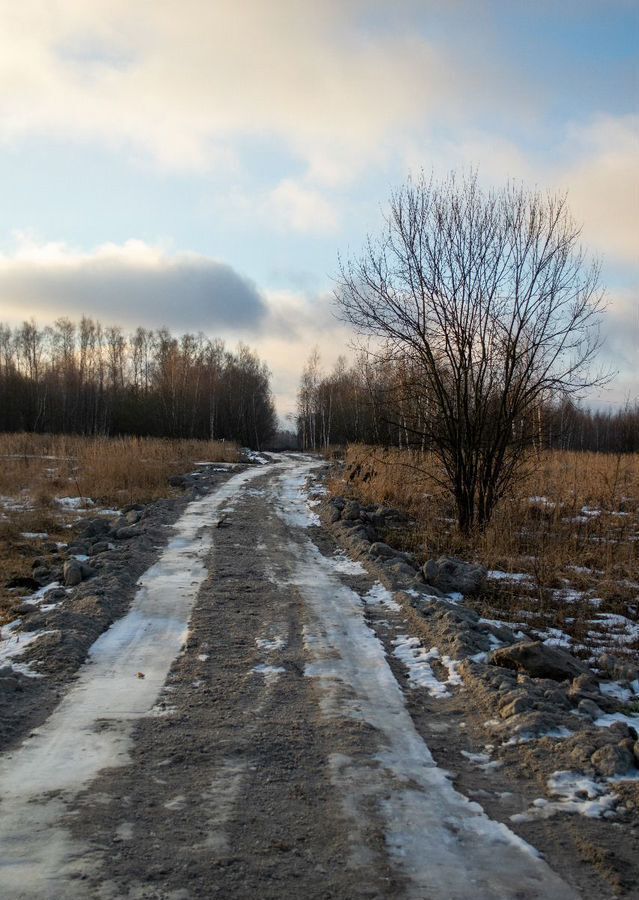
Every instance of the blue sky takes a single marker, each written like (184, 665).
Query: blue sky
(238, 147)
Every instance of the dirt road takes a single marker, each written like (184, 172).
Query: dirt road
(267, 751)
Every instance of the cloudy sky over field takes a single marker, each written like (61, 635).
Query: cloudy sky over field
(200, 163)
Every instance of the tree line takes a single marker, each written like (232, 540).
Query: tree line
(375, 401)
(86, 378)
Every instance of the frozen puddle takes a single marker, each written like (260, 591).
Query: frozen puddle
(90, 729)
(444, 845)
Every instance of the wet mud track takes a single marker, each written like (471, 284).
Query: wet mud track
(269, 751)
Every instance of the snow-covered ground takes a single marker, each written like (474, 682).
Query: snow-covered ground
(67, 752)
(441, 842)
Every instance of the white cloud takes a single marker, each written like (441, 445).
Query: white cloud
(182, 80)
(292, 206)
(603, 184)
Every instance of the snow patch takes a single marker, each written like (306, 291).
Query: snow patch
(378, 595)
(575, 793)
(417, 660)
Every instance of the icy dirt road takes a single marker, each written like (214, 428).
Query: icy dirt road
(267, 752)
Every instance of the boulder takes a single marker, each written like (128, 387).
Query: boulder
(379, 549)
(128, 531)
(351, 511)
(589, 708)
(454, 575)
(539, 660)
(613, 759)
(72, 572)
(336, 514)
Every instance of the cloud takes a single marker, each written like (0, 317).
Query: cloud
(603, 183)
(130, 284)
(338, 82)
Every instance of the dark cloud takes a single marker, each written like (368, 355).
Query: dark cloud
(183, 292)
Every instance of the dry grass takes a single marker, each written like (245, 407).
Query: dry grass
(108, 470)
(572, 524)
(111, 472)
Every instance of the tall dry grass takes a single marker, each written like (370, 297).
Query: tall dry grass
(111, 472)
(108, 470)
(571, 523)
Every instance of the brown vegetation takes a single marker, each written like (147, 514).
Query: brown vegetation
(36, 470)
(571, 525)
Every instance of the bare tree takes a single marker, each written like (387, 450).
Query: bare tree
(489, 298)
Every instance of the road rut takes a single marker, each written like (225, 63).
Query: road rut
(267, 752)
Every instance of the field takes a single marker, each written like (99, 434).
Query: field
(47, 483)
(561, 550)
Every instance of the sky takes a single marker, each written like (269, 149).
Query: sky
(200, 164)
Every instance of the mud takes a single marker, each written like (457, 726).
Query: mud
(231, 786)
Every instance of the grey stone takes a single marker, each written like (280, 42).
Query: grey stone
(336, 514)
(133, 516)
(100, 547)
(538, 660)
(72, 572)
(127, 531)
(351, 511)
(589, 708)
(516, 706)
(449, 574)
(379, 549)
(613, 759)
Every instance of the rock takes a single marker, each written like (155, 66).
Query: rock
(95, 528)
(177, 480)
(586, 683)
(351, 511)
(516, 706)
(133, 516)
(100, 547)
(87, 570)
(618, 668)
(336, 514)
(449, 574)
(23, 581)
(72, 572)
(635, 750)
(339, 502)
(9, 684)
(379, 549)
(589, 708)
(538, 660)
(612, 759)
(128, 531)
(42, 573)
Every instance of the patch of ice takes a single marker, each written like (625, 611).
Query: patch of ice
(618, 691)
(270, 673)
(254, 457)
(525, 737)
(35, 535)
(203, 657)
(345, 565)
(79, 504)
(41, 593)
(610, 718)
(482, 761)
(498, 575)
(378, 595)
(411, 652)
(576, 794)
(271, 645)
(17, 642)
